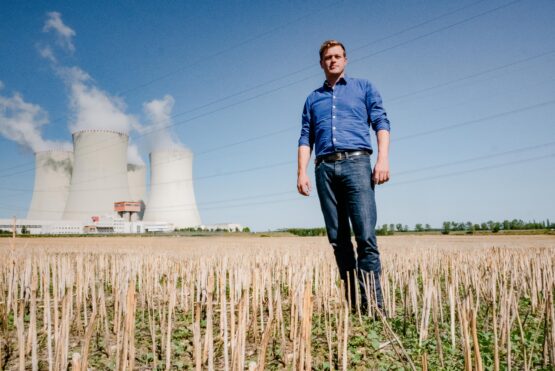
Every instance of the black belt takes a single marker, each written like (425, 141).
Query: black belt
(338, 156)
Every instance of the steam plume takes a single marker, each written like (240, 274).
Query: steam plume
(21, 122)
(64, 34)
(158, 113)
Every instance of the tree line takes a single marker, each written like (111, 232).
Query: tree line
(447, 227)
(493, 226)
(469, 227)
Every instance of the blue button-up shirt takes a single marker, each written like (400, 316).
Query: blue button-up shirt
(338, 119)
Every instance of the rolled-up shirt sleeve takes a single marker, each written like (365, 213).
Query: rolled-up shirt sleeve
(307, 135)
(377, 117)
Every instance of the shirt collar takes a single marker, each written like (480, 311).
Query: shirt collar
(341, 81)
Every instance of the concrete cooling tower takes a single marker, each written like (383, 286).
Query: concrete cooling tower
(99, 174)
(52, 179)
(172, 198)
(136, 175)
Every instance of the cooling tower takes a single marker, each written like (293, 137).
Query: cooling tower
(99, 174)
(172, 198)
(52, 178)
(136, 175)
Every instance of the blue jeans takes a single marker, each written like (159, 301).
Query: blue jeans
(346, 192)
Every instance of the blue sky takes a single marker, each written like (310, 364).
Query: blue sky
(469, 87)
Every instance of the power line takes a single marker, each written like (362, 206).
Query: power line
(216, 175)
(476, 121)
(480, 73)
(287, 85)
(230, 48)
(433, 167)
(306, 78)
(468, 19)
(446, 175)
(189, 206)
(412, 136)
(217, 53)
(308, 67)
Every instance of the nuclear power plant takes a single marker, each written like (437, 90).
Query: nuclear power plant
(95, 190)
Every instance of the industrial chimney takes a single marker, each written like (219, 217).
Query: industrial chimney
(52, 179)
(99, 174)
(172, 197)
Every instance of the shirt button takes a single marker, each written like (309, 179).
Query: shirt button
(334, 97)
(333, 106)
(334, 139)
(333, 117)
(334, 128)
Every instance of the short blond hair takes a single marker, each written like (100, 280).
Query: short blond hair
(329, 44)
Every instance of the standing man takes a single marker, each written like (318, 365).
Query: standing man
(336, 120)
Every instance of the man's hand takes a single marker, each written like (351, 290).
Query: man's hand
(303, 182)
(381, 171)
(303, 185)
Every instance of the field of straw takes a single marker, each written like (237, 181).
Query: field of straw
(252, 303)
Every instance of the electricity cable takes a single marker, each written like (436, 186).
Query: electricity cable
(304, 79)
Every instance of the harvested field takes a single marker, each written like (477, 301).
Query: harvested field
(235, 303)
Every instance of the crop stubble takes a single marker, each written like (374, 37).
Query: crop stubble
(238, 303)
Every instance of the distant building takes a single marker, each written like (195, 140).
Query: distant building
(98, 225)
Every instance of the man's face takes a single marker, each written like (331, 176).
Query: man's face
(334, 61)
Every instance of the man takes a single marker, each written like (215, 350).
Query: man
(336, 120)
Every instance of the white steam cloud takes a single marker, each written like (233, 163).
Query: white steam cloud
(64, 34)
(21, 122)
(158, 113)
(91, 108)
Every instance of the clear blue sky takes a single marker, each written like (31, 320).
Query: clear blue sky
(469, 87)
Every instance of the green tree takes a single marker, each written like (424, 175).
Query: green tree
(399, 227)
(470, 228)
(383, 231)
(428, 228)
(418, 227)
(446, 228)
(246, 229)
